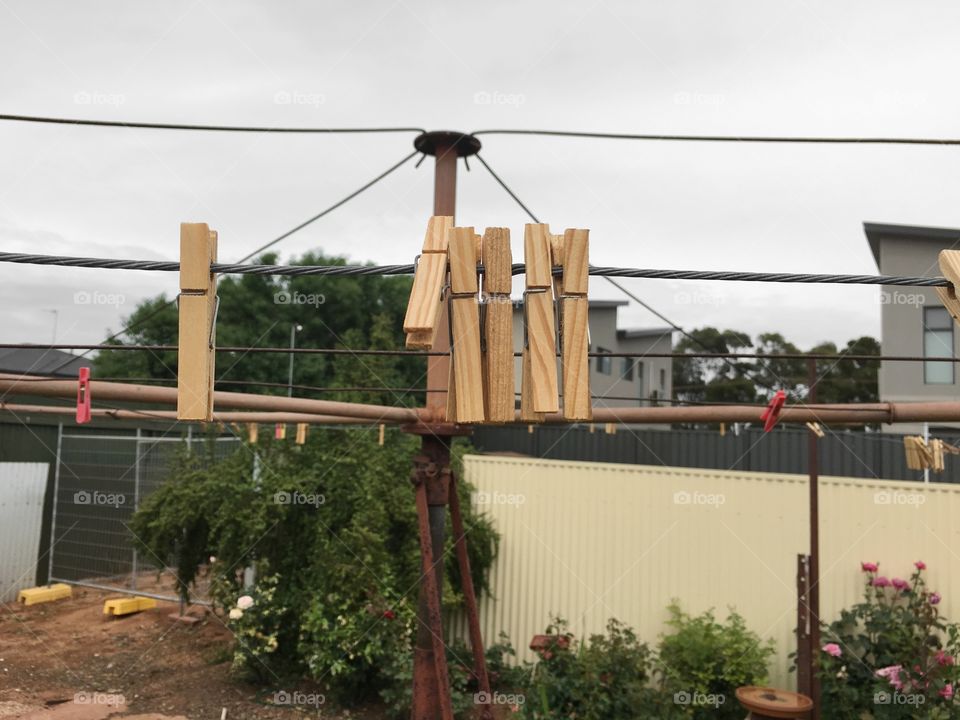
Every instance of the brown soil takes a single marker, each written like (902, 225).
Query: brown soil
(67, 661)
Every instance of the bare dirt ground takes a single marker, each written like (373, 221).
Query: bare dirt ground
(65, 660)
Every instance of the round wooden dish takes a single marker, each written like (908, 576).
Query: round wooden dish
(770, 703)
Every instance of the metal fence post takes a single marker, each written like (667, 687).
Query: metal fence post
(53, 506)
(136, 505)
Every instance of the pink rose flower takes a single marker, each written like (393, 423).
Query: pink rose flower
(880, 582)
(920, 565)
(892, 674)
(869, 566)
(947, 692)
(832, 649)
(935, 598)
(900, 584)
(944, 658)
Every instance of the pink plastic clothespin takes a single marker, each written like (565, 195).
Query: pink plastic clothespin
(83, 396)
(772, 414)
(280, 431)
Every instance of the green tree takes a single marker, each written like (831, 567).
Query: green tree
(848, 380)
(713, 379)
(356, 312)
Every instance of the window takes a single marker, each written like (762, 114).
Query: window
(626, 372)
(937, 343)
(663, 381)
(604, 364)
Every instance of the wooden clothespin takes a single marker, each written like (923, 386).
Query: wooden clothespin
(467, 368)
(723, 429)
(302, 429)
(252, 433)
(593, 428)
(815, 428)
(574, 331)
(919, 454)
(424, 309)
(381, 439)
(610, 428)
(84, 401)
(936, 452)
(950, 269)
(198, 317)
(498, 364)
(539, 384)
(280, 431)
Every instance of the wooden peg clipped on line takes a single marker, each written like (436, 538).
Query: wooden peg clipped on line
(467, 368)
(197, 318)
(302, 430)
(574, 326)
(815, 428)
(499, 367)
(541, 336)
(424, 308)
(252, 433)
(382, 434)
(950, 268)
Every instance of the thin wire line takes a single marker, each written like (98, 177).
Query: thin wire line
(432, 353)
(333, 207)
(727, 138)
(203, 128)
(517, 269)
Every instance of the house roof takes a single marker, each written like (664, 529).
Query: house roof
(40, 361)
(877, 231)
(643, 332)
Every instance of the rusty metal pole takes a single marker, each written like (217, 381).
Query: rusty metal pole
(431, 688)
(813, 577)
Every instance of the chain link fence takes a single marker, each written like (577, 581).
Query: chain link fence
(99, 482)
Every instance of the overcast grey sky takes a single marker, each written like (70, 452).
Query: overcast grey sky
(815, 68)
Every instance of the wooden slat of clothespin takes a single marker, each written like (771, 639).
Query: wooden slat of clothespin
(541, 336)
(950, 268)
(498, 363)
(936, 450)
(252, 433)
(301, 433)
(424, 307)
(527, 413)
(197, 314)
(382, 434)
(467, 368)
(610, 428)
(815, 428)
(575, 332)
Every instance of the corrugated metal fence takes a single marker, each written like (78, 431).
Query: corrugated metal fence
(591, 541)
(22, 487)
(842, 453)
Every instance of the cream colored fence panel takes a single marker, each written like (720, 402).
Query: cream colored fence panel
(591, 541)
(22, 486)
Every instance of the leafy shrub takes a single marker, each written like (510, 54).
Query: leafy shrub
(891, 655)
(702, 662)
(605, 678)
(330, 529)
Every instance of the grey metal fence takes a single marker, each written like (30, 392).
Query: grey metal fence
(99, 482)
(843, 453)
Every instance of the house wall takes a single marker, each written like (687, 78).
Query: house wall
(902, 324)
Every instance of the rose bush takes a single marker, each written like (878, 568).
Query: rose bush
(892, 655)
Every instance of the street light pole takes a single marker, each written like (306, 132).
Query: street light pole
(294, 329)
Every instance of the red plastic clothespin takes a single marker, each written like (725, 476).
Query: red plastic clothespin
(83, 396)
(280, 431)
(772, 414)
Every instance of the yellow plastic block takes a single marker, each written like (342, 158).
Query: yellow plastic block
(44, 593)
(126, 606)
